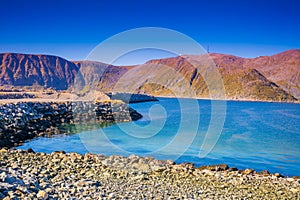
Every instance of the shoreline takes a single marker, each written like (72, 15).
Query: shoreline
(61, 175)
(126, 97)
(235, 100)
(4, 101)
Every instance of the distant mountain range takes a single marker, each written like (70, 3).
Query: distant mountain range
(268, 78)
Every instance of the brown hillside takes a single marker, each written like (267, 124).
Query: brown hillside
(178, 76)
(282, 69)
(44, 70)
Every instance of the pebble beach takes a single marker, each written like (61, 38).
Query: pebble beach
(60, 175)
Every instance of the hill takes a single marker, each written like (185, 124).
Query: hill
(268, 78)
(44, 70)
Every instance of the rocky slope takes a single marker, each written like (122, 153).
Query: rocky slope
(92, 72)
(268, 78)
(283, 69)
(44, 70)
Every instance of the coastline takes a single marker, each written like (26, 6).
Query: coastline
(61, 175)
(236, 100)
(136, 98)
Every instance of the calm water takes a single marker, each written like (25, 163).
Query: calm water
(255, 135)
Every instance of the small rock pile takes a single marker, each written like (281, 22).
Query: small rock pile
(131, 98)
(29, 175)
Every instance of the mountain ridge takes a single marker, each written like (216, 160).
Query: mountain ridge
(30, 69)
(268, 78)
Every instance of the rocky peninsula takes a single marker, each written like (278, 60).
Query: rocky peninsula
(131, 98)
(21, 121)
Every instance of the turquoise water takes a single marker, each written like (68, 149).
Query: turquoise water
(255, 135)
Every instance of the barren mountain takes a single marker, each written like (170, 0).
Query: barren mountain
(271, 78)
(282, 69)
(191, 76)
(44, 70)
(95, 72)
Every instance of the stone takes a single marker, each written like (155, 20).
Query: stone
(290, 179)
(295, 190)
(3, 176)
(232, 169)
(144, 168)
(29, 150)
(112, 195)
(265, 172)
(42, 195)
(1, 195)
(278, 175)
(3, 150)
(157, 168)
(248, 171)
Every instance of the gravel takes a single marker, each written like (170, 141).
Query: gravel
(29, 175)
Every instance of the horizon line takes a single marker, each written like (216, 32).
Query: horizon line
(210, 53)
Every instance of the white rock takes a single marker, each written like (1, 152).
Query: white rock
(290, 179)
(112, 195)
(42, 195)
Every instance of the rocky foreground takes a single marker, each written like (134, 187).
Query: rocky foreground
(29, 175)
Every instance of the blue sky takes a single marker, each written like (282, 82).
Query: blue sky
(71, 29)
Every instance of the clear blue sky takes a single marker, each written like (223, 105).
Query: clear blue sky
(71, 29)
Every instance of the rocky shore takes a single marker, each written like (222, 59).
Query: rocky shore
(12, 95)
(25, 120)
(29, 175)
(131, 98)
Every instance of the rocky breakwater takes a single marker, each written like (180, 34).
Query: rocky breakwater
(25, 120)
(16, 95)
(29, 175)
(131, 98)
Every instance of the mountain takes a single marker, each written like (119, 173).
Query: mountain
(94, 73)
(282, 69)
(45, 70)
(268, 78)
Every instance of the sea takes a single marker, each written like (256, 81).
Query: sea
(256, 135)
